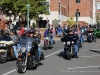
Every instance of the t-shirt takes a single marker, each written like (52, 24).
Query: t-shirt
(59, 29)
(22, 30)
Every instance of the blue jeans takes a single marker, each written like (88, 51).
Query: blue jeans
(15, 51)
(39, 51)
(52, 36)
(82, 39)
(59, 33)
(77, 44)
(51, 39)
(76, 49)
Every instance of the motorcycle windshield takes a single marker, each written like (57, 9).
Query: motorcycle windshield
(26, 42)
(69, 38)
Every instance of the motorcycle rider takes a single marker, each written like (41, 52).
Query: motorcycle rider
(33, 36)
(73, 36)
(15, 46)
(49, 33)
(91, 29)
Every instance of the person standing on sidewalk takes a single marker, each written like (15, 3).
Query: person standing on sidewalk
(59, 31)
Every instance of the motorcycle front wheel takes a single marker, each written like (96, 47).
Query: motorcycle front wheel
(21, 66)
(2, 58)
(68, 55)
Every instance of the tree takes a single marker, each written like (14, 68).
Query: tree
(71, 21)
(98, 19)
(55, 22)
(19, 6)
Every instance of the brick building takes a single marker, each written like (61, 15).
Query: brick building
(85, 10)
(98, 6)
(64, 9)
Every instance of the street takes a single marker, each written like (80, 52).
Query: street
(88, 62)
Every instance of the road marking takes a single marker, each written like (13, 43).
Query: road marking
(84, 67)
(9, 72)
(52, 53)
(44, 57)
(91, 56)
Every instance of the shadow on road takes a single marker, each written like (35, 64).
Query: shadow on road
(95, 51)
(61, 55)
(39, 64)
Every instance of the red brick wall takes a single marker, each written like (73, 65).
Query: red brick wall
(84, 7)
(54, 5)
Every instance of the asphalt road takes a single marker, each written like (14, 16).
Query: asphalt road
(88, 62)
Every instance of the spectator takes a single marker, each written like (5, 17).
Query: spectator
(11, 26)
(22, 29)
(59, 31)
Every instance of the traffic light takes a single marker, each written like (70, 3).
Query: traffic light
(78, 1)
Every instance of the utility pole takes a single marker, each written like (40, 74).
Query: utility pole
(28, 6)
(77, 15)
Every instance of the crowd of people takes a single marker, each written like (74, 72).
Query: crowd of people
(14, 32)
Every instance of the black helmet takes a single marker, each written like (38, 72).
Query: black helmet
(32, 31)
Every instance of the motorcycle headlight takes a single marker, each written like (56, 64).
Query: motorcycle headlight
(72, 42)
(0, 45)
(4, 45)
(23, 49)
(68, 43)
(64, 43)
(90, 34)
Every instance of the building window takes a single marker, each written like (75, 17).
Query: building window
(98, 6)
(47, 3)
(64, 11)
(78, 1)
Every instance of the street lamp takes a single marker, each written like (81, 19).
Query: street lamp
(28, 6)
(77, 15)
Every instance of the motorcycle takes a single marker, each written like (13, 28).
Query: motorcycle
(90, 36)
(6, 51)
(26, 58)
(69, 49)
(47, 43)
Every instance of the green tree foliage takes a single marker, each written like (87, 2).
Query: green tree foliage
(19, 6)
(98, 18)
(71, 21)
(55, 22)
(34, 25)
